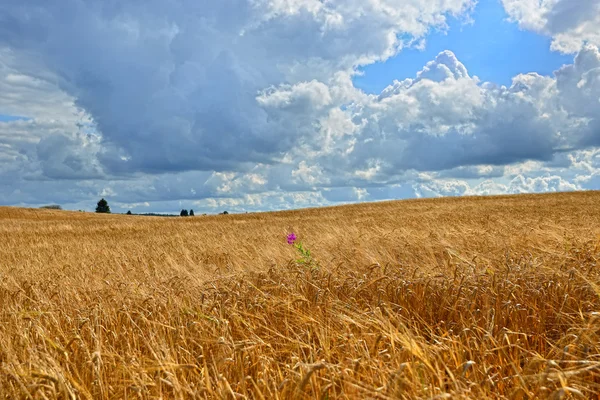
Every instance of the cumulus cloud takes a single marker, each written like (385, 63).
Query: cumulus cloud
(570, 23)
(519, 184)
(444, 119)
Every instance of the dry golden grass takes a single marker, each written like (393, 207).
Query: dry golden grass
(453, 298)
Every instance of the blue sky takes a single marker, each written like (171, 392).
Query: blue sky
(244, 105)
(10, 118)
(493, 49)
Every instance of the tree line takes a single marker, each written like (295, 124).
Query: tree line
(103, 208)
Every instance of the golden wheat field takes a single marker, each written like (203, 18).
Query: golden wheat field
(489, 297)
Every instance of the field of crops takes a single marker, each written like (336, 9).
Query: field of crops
(490, 297)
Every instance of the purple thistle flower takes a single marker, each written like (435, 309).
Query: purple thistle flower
(291, 238)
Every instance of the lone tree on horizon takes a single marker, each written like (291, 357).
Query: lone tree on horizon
(129, 212)
(191, 213)
(103, 207)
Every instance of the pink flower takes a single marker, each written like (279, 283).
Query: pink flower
(291, 238)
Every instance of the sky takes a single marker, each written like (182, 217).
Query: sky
(258, 105)
(492, 47)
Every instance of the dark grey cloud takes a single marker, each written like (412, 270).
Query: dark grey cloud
(68, 157)
(172, 84)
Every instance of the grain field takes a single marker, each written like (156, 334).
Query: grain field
(482, 298)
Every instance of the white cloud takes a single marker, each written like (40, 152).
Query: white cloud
(263, 201)
(361, 193)
(445, 66)
(449, 120)
(310, 175)
(133, 206)
(519, 184)
(370, 172)
(570, 23)
(442, 188)
(301, 97)
(224, 183)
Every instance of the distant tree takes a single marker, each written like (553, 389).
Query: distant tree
(52, 207)
(184, 213)
(103, 207)
(225, 213)
(191, 213)
(129, 212)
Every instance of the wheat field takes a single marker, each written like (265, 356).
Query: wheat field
(485, 297)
